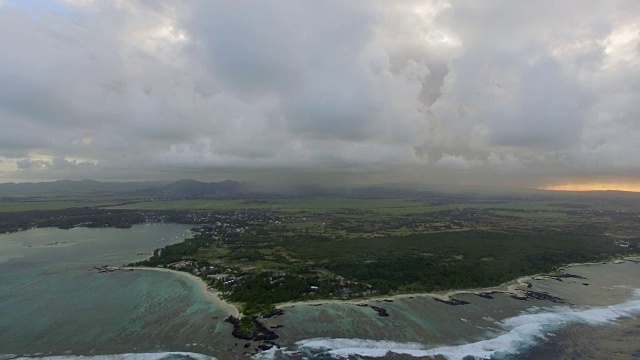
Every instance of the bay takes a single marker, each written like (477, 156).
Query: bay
(53, 302)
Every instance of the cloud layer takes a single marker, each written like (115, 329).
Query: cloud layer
(465, 92)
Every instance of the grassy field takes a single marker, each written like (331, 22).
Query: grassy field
(55, 204)
(347, 248)
(393, 207)
(261, 252)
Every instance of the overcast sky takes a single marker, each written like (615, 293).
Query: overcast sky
(516, 93)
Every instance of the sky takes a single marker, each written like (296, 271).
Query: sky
(538, 94)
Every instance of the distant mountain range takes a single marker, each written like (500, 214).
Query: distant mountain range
(187, 188)
(164, 189)
(40, 188)
(193, 188)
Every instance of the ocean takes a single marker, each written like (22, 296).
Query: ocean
(53, 301)
(54, 305)
(598, 320)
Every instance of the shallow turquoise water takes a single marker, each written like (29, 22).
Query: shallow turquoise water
(607, 297)
(51, 303)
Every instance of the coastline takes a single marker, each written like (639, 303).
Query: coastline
(513, 287)
(213, 296)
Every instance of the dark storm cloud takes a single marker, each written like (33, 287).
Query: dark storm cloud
(26, 164)
(520, 93)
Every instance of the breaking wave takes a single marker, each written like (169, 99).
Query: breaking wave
(520, 333)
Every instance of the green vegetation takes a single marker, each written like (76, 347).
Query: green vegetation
(306, 249)
(263, 252)
(91, 217)
(68, 218)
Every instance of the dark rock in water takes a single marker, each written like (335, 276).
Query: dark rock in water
(585, 284)
(544, 296)
(526, 295)
(104, 269)
(247, 345)
(276, 327)
(529, 285)
(273, 344)
(257, 330)
(452, 301)
(387, 300)
(275, 313)
(264, 347)
(565, 275)
(486, 295)
(380, 311)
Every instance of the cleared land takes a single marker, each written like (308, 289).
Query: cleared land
(264, 250)
(270, 252)
(260, 252)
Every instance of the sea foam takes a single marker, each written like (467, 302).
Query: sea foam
(520, 332)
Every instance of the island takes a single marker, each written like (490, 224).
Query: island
(312, 251)
(259, 253)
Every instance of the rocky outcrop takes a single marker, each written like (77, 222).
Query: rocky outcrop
(250, 329)
(534, 295)
(451, 301)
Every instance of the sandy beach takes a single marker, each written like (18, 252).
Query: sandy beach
(214, 296)
(513, 287)
(510, 287)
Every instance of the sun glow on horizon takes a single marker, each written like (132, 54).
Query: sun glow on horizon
(595, 186)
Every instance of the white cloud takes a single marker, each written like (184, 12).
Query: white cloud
(138, 87)
(458, 162)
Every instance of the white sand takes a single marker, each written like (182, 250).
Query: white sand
(512, 287)
(214, 296)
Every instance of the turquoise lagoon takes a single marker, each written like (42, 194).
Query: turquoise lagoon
(54, 304)
(52, 301)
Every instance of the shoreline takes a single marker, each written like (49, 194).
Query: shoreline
(213, 296)
(513, 287)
